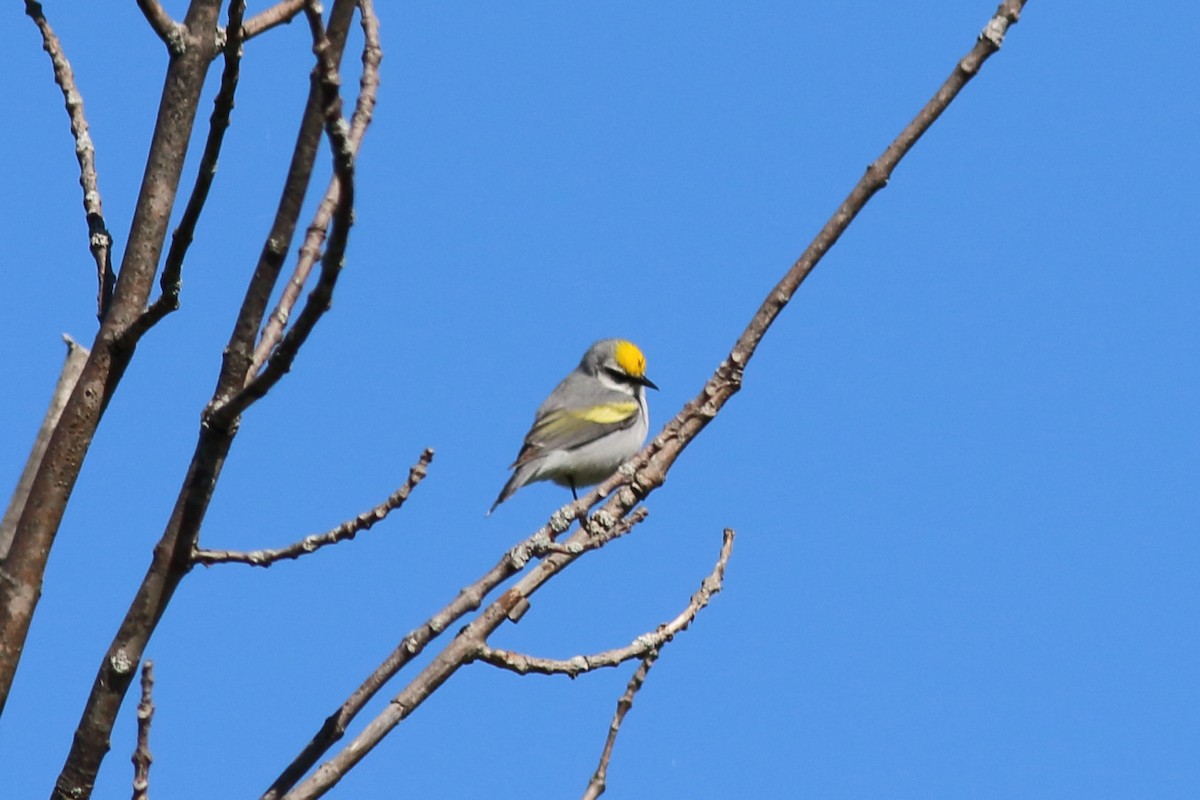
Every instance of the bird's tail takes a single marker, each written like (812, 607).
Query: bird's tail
(519, 478)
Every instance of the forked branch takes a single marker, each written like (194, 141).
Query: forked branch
(310, 250)
(599, 780)
(538, 546)
(461, 650)
(231, 397)
(222, 414)
(641, 647)
(170, 281)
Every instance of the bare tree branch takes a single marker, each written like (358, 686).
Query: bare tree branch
(509, 606)
(651, 465)
(649, 468)
(76, 357)
(141, 754)
(170, 31)
(279, 14)
(99, 239)
(22, 573)
(310, 250)
(181, 240)
(599, 780)
(280, 363)
(596, 531)
(640, 647)
(468, 599)
(172, 557)
(347, 530)
(239, 353)
(249, 372)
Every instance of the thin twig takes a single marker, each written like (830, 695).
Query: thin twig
(347, 530)
(141, 754)
(181, 239)
(640, 647)
(310, 250)
(647, 471)
(599, 780)
(279, 14)
(99, 239)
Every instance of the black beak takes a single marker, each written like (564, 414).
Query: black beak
(644, 381)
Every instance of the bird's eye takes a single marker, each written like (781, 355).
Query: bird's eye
(617, 375)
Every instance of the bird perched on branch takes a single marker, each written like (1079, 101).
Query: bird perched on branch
(592, 422)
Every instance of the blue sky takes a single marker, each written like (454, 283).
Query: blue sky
(963, 469)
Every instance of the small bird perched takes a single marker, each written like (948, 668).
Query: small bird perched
(592, 421)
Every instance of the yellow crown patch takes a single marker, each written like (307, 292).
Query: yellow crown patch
(630, 359)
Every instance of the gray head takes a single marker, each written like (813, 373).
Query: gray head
(617, 360)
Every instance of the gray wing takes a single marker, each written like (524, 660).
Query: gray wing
(562, 427)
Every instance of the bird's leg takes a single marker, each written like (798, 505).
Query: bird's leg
(581, 515)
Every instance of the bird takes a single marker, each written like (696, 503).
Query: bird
(594, 420)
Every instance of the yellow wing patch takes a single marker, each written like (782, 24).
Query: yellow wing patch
(630, 359)
(607, 413)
